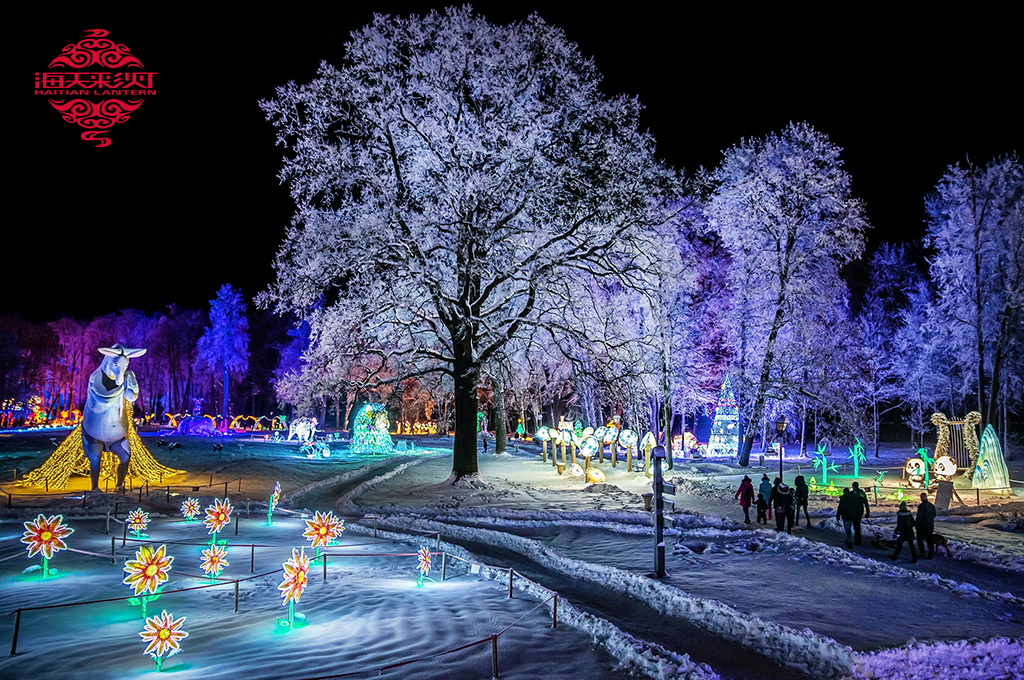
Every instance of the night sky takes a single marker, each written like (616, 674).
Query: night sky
(186, 198)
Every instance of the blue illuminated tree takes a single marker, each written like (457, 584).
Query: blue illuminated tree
(225, 344)
(857, 456)
(821, 461)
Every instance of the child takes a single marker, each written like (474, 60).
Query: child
(762, 509)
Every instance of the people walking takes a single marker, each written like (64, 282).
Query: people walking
(765, 487)
(746, 496)
(847, 512)
(904, 532)
(782, 500)
(863, 510)
(800, 494)
(762, 509)
(925, 525)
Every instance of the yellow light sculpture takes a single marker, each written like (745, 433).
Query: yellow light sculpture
(70, 458)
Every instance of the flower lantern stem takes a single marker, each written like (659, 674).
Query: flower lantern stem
(46, 566)
(159, 662)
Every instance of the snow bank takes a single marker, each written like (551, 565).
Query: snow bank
(996, 659)
(805, 651)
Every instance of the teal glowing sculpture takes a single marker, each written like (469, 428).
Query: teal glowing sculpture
(928, 460)
(821, 461)
(371, 436)
(990, 471)
(725, 428)
(857, 456)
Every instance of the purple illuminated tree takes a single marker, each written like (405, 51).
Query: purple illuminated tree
(785, 212)
(225, 344)
(453, 180)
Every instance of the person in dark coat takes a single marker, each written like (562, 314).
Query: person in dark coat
(800, 494)
(746, 495)
(904, 532)
(765, 487)
(925, 525)
(762, 509)
(863, 510)
(782, 500)
(847, 512)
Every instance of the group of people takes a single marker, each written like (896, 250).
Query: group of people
(853, 507)
(774, 496)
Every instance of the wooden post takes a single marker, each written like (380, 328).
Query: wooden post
(236, 525)
(211, 479)
(17, 625)
(116, 503)
(8, 500)
(554, 613)
(15, 471)
(510, 573)
(83, 498)
(325, 567)
(124, 538)
(438, 542)
(225, 490)
(140, 494)
(375, 527)
(47, 485)
(978, 493)
(247, 508)
(494, 656)
(112, 539)
(444, 565)
(236, 597)
(875, 489)
(167, 499)
(252, 559)
(107, 530)
(239, 483)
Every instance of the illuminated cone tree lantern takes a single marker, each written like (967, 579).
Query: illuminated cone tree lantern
(627, 440)
(45, 536)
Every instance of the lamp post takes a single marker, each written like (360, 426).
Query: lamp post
(780, 427)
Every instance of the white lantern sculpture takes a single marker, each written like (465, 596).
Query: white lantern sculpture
(611, 433)
(647, 443)
(544, 437)
(627, 440)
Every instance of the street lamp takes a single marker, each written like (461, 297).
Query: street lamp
(780, 427)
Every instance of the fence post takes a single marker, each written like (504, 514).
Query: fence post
(8, 500)
(252, 559)
(140, 493)
(236, 597)
(107, 530)
(168, 498)
(236, 525)
(444, 565)
(875, 490)
(375, 527)
(211, 480)
(83, 498)
(438, 542)
(510, 573)
(554, 613)
(325, 567)
(978, 493)
(116, 503)
(15, 471)
(17, 625)
(47, 485)
(124, 539)
(247, 508)
(112, 560)
(225, 490)
(494, 656)
(239, 483)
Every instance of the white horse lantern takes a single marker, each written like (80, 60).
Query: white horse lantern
(104, 418)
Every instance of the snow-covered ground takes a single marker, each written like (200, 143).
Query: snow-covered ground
(739, 601)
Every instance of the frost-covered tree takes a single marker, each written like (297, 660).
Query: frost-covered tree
(225, 344)
(784, 209)
(976, 227)
(451, 177)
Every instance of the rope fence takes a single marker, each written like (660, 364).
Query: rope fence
(475, 568)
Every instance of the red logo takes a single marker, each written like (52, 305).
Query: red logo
(96, 83)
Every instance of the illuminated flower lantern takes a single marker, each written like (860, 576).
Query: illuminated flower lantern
(275, 497)
(137, 521)
(566, 437)
(147, 573)
(218, 516)
(945, 467)
(190, 509)
(214, 560)
(164, 634)
(647, 444)
(422, 564)
(611, 433)
(323, 530)
(370, 434)
(296, 577)
(544, 437)
(628, 440)
(45, 536)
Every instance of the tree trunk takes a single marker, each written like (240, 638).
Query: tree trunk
(465, 378)
(224, 413)
(803, 430)
(500, 434)
(762, 386)
(874, 420)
